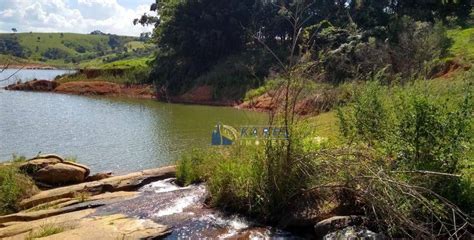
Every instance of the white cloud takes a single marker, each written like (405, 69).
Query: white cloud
(60, 16)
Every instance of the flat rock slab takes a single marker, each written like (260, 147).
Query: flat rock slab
(16, 230)
(66, 205)
(127, 182)
(112, 227)
(78, 225)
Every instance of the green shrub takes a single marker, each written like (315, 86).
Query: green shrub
(256, 180)
(14, 186)
(420, 130)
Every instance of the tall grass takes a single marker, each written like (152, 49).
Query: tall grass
(14, 186)
(45, 231)
(402, 163)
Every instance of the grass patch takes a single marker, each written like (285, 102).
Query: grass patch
(82, 196)
(45, 231)
(463, 43)
(133, 63)
(120, 76)
(14, 186)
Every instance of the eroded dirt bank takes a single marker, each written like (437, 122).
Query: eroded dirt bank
(101, 88)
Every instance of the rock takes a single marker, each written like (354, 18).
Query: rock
(337, 223)
(66, 205)
(35, 85)
(34, 165)
(98, 176)
(354, 233)
(80, 225)
(52, 171)
(127, 182)
(111, 228)
(60, 174)
(48, 156)
(25, 227)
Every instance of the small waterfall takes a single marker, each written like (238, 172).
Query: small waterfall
(184, 209)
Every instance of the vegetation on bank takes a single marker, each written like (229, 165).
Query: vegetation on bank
(402, 158)
(126, 76)
(398, 39)
(403, 155)
(14, 186)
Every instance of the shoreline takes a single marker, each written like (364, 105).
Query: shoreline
(31, 67)
(109, 89)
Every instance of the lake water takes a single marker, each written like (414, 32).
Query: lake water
(107, 134)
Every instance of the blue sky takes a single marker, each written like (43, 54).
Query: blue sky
(79, 16)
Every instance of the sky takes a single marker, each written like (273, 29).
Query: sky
(76, 16)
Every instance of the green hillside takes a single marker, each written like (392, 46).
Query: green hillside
(70, 49)
(463, 43)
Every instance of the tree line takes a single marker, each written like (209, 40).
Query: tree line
(195, 36)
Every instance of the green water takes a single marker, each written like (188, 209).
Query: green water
(108, 134)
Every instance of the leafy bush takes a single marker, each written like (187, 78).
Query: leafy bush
(404, 49)
(416, 45)
(55, 53)
(420, 131)
(11, 46)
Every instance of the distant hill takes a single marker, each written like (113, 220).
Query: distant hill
(70, 49)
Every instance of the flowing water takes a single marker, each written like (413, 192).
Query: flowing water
(107, 134)
(184, 210)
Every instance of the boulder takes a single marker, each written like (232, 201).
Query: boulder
(36, 164)
(338, 223)
(354, 233)
(60, 174)
(53, 170)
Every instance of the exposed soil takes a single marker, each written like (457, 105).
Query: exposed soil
(35, 85)
(449, 69)
(315, 103)
(101, 88)
(262, 103)
(202, 95)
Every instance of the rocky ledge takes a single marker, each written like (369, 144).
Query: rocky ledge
(69, 209)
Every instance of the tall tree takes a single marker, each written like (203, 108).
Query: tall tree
(193, 35)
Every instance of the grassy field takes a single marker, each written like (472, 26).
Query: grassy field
(76, 50)
(130, 62)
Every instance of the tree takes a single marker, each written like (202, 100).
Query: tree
(193, 35)
(97, 32)
(114, 41)
(14, 30)
(10, 45)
